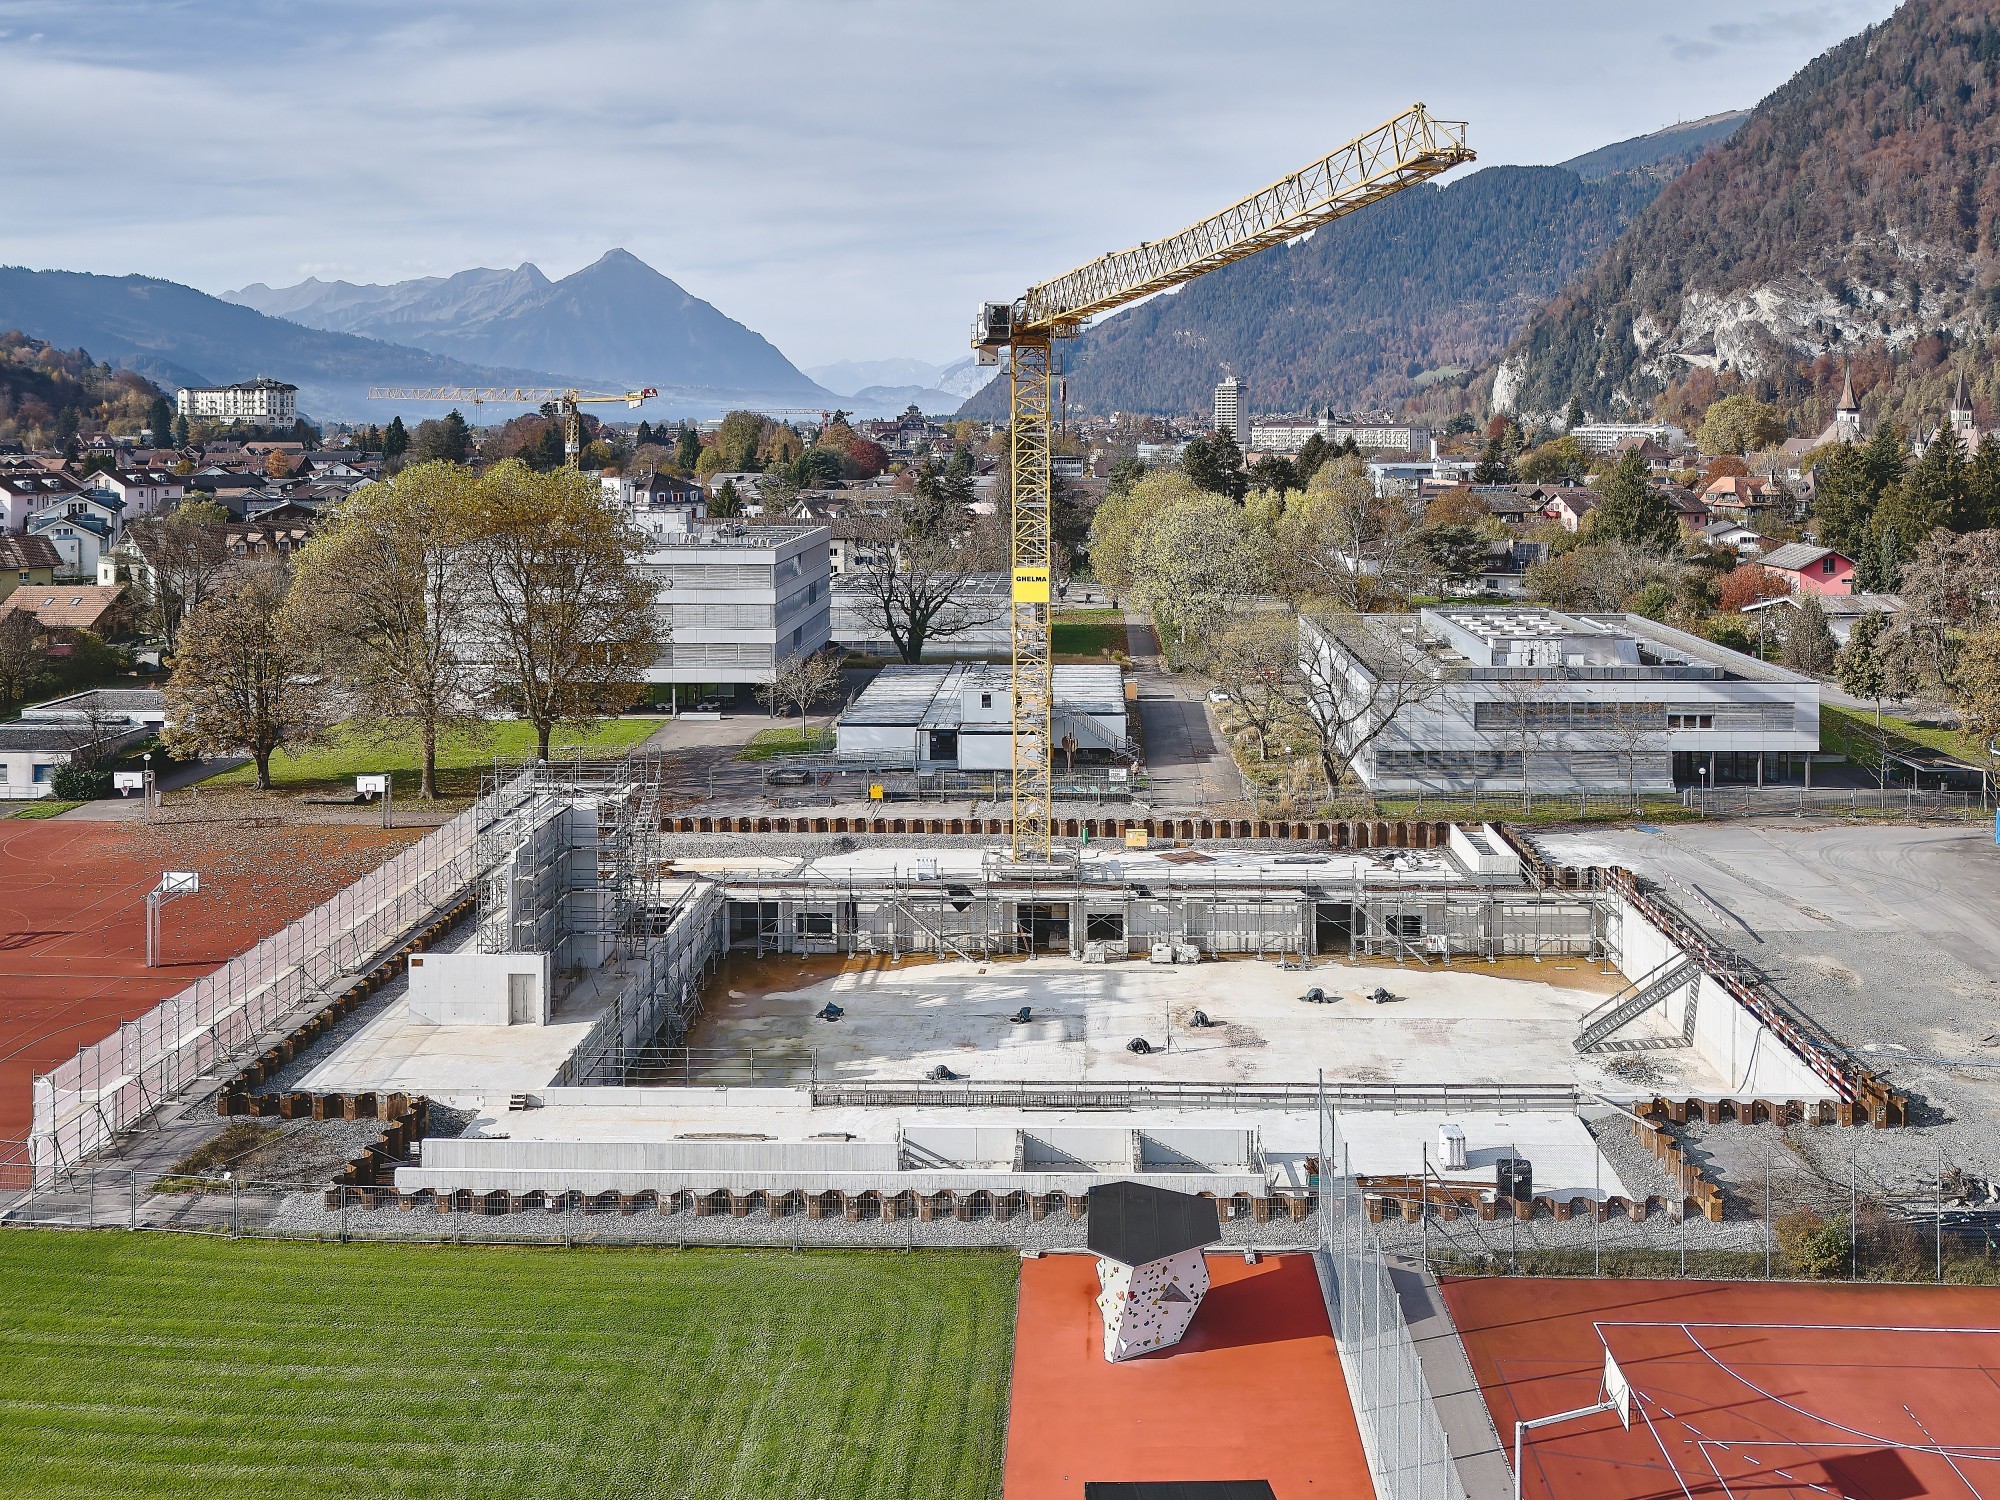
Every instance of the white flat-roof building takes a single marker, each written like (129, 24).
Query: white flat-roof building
(961, 716)
(1512, 700)
(1231, 414)
(738, 600)
(271, 403)
(1604, 437)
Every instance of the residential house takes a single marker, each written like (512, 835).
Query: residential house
(1743, 540)
(27, 490)
(1688, 508)
(1807, 569)
(1569, 506)
(1841, 610)
(104, 610)
(1738, 494)
(26, 561)
(82, 529)
(144, 492)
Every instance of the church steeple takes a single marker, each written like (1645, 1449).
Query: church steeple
(1960, 416)
(1847, 412)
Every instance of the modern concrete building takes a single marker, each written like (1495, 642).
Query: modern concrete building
(738, 601)
(961, 717)
(270, 403)
(1500, 700)
(1604, 437)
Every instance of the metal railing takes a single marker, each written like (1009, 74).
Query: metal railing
(1885, 801)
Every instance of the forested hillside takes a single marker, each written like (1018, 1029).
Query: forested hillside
(49, 395)
(1403, 301)
(1855, 214)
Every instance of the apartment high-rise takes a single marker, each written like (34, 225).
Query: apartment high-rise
(1232, 413)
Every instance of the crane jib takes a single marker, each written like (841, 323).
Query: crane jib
(1406, 150)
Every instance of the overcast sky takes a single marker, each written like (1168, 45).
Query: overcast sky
(848, 177)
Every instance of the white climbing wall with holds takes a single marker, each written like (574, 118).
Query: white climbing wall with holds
(1149, 1306)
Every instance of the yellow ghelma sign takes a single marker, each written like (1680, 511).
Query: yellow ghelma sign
(1031, 585)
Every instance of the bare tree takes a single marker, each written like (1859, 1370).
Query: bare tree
(1523, 708)
(1634, 729)
(1352, 682)
(187, 553)
(243, 679)
(22, 660)
(925, 590)
(387, 590)
(801, 682)
(1255, 663)
(565, 614)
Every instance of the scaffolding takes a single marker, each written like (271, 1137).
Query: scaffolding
(1098, 912)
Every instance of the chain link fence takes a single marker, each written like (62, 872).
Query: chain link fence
(1405, 1441)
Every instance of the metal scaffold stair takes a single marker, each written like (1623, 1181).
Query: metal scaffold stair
(1636, 999)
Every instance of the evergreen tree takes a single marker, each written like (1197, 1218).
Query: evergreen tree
(687, 449)
(1982, 486)
(546, 452)
(1935, 488)
(1631, 510)
(1493, 467)
(1215, 464)
(1573, 417)
(395, 439)
(644, 435)
(1884, 457)
(727, 501)
(1312, 453)
(1843, 502)
(160, 421)
(1859, 666)
(180, 431)
(1809, 645)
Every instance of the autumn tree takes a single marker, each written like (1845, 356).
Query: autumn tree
(387, 588)
(1254, 661)
(245, 680)
(564, 614)
(447, 439)
(1739, 424)
(1340, 541)
(1191, 563)
(1352, 682)
(1560, 460)
(186, 553)
(22, 662)
(1746, 585)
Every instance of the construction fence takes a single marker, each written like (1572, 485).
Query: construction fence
(110, 1085)
(1408, 1454)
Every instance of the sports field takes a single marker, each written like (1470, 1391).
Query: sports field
(144, 1366)
(1792, 1391)
(332, 767)
(73, 915)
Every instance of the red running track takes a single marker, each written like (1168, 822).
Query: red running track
(1254, 1391)
(1743, 1389)
(73, 935)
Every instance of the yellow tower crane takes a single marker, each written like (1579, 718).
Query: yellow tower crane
(566, 403)
(1406, 150)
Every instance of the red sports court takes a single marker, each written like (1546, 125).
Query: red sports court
(1254, 1390)
(1779, 1391)
(72, 925)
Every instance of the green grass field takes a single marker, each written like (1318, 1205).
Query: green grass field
(142, 1366)
(332, 767)
(1852, 733)
(41, 807)
(787, 739)
(1088, 632)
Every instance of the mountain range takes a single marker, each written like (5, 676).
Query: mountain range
(1855, 216)
(617, 320)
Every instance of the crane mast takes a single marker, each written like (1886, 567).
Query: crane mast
(1405, 150)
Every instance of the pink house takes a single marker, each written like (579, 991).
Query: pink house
(1807, 569)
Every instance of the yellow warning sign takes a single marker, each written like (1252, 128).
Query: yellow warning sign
(875, 792)
(1031, 585)
(1135, 838)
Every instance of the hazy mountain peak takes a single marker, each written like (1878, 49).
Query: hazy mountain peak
(615, 319)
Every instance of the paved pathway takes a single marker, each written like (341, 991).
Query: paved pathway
(1187, 762)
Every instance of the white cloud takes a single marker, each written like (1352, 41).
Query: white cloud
(849, 177)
